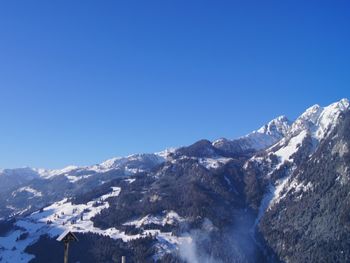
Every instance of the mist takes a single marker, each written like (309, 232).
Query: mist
(234, 243)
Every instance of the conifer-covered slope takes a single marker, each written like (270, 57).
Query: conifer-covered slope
(310, 220)
(301, 189)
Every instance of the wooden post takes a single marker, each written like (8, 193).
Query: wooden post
(66, 247)
(66, 237)
(123, 259)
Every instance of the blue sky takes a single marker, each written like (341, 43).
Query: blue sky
(83, 81)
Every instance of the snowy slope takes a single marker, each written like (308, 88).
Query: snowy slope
(63, 215)
(52, 220)
(319, 121)
(131, 164)
(260, 139)
(26, 189)
(316, 122)
(282, 159)
(268, 134)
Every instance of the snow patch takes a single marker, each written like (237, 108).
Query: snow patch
(130, 181)
(213, 163)
(166, 153)
(169, 218)
(287, 151)
(74, 179)
(340, 148)
(27, 189)
(343, 172)
(277, 191)
(285, 186)
(51, 173)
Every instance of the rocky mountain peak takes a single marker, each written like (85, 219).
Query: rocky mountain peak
(277, 127)
(260, 139)
(318, 121)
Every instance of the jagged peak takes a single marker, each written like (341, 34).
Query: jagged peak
(345, 102)
(311, 113)
(276, 127)
(318, 120)
(341, 105)
(259, 139)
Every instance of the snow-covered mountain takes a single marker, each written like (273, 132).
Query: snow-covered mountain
(260, 139)
(130, 164)
(302, 138)
(280, 193)
(296, 169)
(19, 185)
(319, 121)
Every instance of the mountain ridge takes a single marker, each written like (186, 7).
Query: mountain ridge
(224, 201)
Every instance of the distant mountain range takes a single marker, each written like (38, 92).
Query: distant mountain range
(278, 194)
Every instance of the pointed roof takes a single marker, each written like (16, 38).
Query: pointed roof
(67, 236)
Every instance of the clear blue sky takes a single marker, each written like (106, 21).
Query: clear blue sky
(83, 81)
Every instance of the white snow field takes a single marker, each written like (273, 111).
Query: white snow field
(63, 215)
